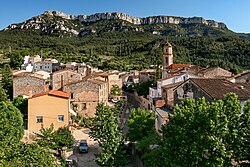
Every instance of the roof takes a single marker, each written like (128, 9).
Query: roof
(97, 81)
(30, 74)
(164, 112)
(56, 93)
(66, 70)
(175, 66)
(174, 85)
(217, 88)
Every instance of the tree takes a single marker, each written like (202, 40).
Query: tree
(140, 123)
(245, 132)
(105, 130)
(55, 139)
(3, 95)
(7, 82)
(115, 90)
(16, 59)
(11, 129)
(20, 103)
(29, 155)
(205, 134)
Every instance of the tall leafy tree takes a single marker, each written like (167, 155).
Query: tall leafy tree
(193, 136)
(55, 139)
(245, 132)
(7, 81)
(140, 123)
(11, 129)
(105, 130)
(16, 59)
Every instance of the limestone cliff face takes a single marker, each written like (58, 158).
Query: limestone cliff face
(53, 21)
(136, 20)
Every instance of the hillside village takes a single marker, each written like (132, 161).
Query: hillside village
(58, 92)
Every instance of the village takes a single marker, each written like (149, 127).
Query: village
(58, 92)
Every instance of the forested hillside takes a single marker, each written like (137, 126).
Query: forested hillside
(116, 44)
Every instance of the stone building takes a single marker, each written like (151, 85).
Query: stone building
(86, 95)
(110, 78)
(64, 77)
(211, 89)
(28, 84)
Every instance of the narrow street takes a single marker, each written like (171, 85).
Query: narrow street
(85, 159)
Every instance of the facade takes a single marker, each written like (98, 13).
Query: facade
(46, 65)
(86, 95)
(44, 109)
(64, 77)
(111, 79)
(28, 84)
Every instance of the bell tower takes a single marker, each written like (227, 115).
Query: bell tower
(168, 58)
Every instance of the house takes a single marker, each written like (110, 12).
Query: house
(51, 107)
(112, 78)
(28, 84)
(210, 89)
(86, 94)
(48, 65)
(162, 116)
(64, 77)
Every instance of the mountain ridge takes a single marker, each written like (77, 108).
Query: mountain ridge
(118, 16)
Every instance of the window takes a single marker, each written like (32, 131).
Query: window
(71, 95)
(84, 106)
(60, 118)
(39, 119)
(71, 76)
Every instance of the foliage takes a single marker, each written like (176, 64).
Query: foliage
(115, 90)
(16, 58)
(245, 132)
(12, 151)
(105, 130)
(11, 130)
(55, 139)
(6, 81)
(29, 155)
(3, 95)
(140, 123)
(116, 49)
(143, 88)
(204, 134)
(20, 103)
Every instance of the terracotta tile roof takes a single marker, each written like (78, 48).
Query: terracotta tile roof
(174, 85)
(53, 93)
(217, 88)
(175, 66)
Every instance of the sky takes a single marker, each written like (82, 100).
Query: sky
(234, 13)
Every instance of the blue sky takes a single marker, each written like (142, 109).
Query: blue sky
(234, 13)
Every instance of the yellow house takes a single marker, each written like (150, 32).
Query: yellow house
(47, 108)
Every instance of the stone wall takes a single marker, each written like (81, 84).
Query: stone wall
(190, 90)
(28, 85)
(86, 95)
(62, 78)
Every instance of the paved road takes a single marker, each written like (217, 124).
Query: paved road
(85, 159)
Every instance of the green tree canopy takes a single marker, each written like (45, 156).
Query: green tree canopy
(105, 130)
(205, 134)
(7, 82)
(140, 123)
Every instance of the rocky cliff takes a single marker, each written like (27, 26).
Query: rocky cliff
(136, 20)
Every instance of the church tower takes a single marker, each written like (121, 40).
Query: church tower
(168, 58)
